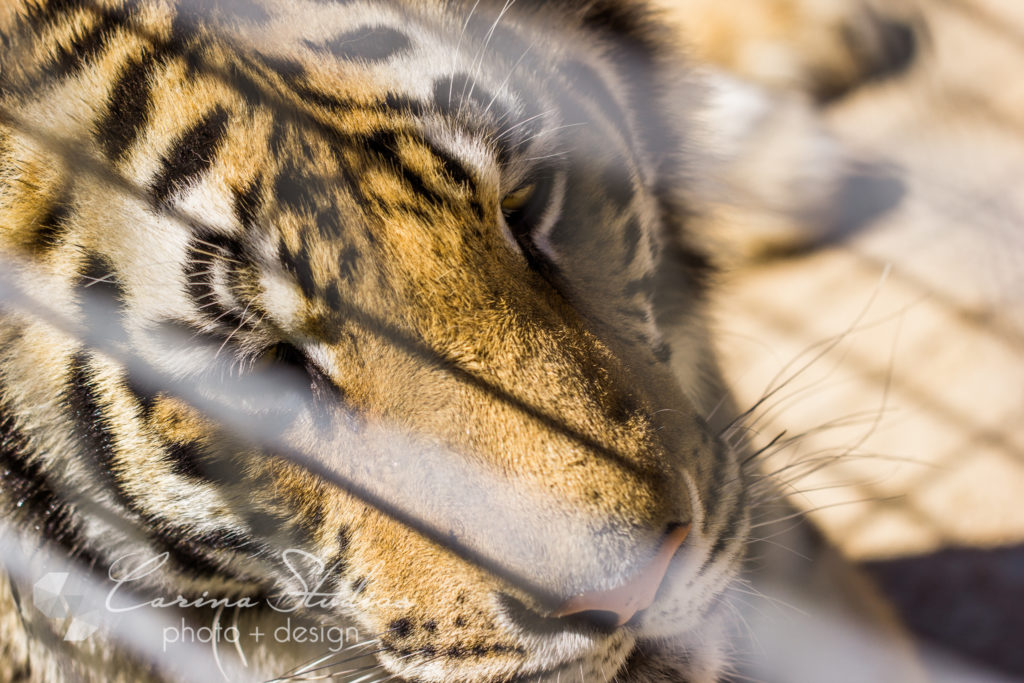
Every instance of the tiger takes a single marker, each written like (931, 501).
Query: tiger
(387, 314)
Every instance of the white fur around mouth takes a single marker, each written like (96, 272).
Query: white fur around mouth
(601, 667)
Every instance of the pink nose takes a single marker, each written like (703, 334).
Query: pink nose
(636, 594)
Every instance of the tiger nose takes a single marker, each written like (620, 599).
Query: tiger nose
(637, 593)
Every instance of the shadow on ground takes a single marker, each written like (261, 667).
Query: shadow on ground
(966, 601)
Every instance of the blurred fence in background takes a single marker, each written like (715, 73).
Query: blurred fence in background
(932, 377)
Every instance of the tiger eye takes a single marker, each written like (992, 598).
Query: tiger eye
(517, 199)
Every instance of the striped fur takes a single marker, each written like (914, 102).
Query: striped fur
(210, 192)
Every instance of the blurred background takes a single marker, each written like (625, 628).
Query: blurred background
(900, 343)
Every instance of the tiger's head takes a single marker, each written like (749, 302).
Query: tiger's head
(461, 224)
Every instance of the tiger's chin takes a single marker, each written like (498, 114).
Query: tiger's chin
(650, 650)
(698, 658)
(628, 659)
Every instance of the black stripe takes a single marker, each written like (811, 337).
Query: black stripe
(311, 95)
(313, 518)
(92, 426)
(663, 353)
(288, 70)
(215, 458)
(644, 285)
(98, 276)
(264, 524)
(54, 224)
(248, 203)
(726, 539)
(228, 539)
(298, 189)
(333, 298)
(344, 179)
(389, 206)
(514, 135)
(344, 542)
(369, 44)
(228, 245)
(720, 465)
(618, 186)
(348, 261)
(297, 263)
(727, 532)
(384, 144)
(633, 47)
(448, 90)
(403, 104)
(87, 46)
(631, 234)
(187, 459)
(28, 490)
(623, 407)
(680, 263)
(184, 551)
(455, 170)
(244, 84)
(191, 155)
(328, 224)
(68, 59)
(52, 11)
(454, 94)
(144, 394)
(566, 233)
(128, 109)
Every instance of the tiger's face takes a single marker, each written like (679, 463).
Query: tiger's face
(456, 225)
